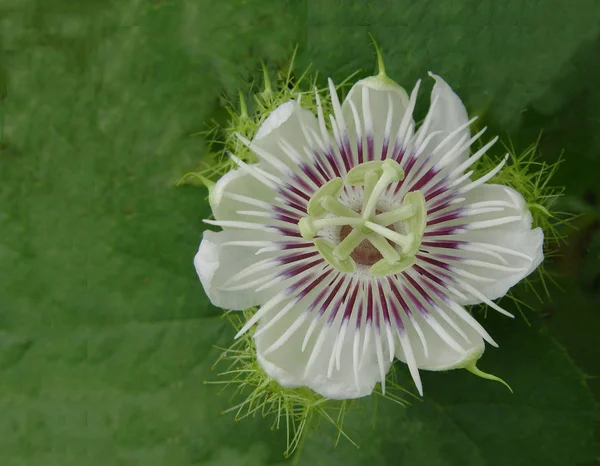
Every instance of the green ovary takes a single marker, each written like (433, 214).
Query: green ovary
(367, 238)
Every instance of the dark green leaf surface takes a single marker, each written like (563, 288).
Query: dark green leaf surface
(466, 420)
(105, 333)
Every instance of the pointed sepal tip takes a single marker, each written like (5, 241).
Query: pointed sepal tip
(473, 369)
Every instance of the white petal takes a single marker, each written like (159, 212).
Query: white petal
(374, 112)
(440, 356)
(289, 123)
(516, 242)
(447, 115)
(216, 263)
(287, 364)
(238, 183)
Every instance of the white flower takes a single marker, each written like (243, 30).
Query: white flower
(363, 244)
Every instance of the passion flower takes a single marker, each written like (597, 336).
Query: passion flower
(361, 238)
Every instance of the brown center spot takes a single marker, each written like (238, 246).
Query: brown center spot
(365, 253)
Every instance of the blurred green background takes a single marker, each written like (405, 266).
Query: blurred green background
(105, 334)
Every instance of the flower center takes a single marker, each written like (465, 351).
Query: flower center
(369, 237)
(365, 253)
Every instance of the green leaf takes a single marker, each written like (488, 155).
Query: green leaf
(465, 420)
(499, 58)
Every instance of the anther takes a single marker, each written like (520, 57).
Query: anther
(332, 188)
(356, 176)
(326, 249)
(417, 223)
(383, 268)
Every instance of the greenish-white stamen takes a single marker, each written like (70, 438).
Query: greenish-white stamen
(404, 241)
(309, 226)
(391, 172)
(388, 252)
(370, 183)
(369, 237)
